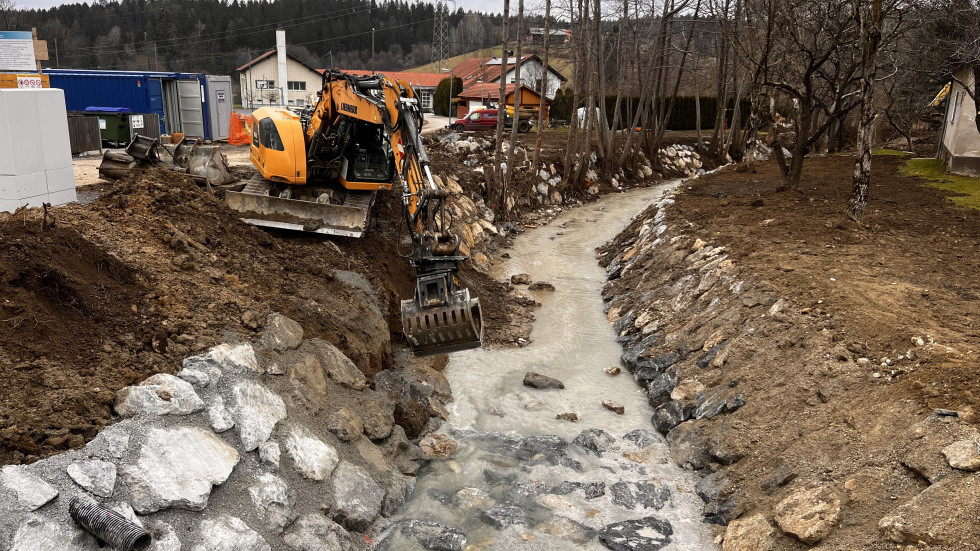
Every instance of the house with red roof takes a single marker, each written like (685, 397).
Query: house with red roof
(483, 70)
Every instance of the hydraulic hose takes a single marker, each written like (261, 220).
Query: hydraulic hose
(108, 526)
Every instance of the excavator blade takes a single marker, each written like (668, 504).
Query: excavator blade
(455, 326)
(260, 208)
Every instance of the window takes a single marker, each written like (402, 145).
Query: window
(426, 100)
(269, 135)
(296, 85)
(255, 133)
(265, 84)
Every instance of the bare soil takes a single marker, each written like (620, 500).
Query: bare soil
(154, 269)
(838, 392)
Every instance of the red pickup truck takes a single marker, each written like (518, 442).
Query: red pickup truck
(486, 119)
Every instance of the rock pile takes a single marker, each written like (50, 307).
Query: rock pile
(473, 222)
(272, 444)
(687, 327)
(681, 158)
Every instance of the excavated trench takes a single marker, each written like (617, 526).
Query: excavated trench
(522, 478)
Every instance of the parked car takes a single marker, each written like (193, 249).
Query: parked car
(486, 119)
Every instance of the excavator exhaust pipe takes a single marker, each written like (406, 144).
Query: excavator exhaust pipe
(454, 326)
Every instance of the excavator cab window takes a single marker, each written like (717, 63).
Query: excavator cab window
(369, 154)
(255, 133)
(269, 135)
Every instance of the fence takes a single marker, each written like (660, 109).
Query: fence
(84, 135)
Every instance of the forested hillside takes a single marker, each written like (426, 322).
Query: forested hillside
(216, 36)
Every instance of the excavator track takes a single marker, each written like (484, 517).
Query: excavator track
(259, 206)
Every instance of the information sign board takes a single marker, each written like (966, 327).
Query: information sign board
(17, 51)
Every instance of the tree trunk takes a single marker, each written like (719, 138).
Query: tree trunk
(869, 23)
(498, 142)
(544, 85)
(517, 92)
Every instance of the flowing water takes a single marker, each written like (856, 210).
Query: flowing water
(556, 491)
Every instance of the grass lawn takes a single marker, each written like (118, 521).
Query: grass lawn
(934, 171)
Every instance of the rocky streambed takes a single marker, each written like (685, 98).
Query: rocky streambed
(564, 458)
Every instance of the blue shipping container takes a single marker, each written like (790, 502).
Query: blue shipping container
(140, 91)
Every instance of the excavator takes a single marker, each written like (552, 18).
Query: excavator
(320, 170)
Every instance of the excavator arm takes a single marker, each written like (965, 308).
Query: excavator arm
(441, 317)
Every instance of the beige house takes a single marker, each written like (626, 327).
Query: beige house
(960, 146)
(260, 83)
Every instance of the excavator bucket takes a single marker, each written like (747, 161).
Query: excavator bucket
(203, 163)
(455, 325)
(259, 206)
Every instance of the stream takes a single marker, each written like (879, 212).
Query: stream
(522, 479)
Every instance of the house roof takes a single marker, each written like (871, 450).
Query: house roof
(491, 90)
(271, 53)
(487, 69)
(418, 80)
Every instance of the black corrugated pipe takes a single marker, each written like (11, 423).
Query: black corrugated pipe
(108, 526)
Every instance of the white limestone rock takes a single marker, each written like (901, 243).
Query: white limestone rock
(315, 532)
(195, 377)
(228, 533)
(238, 358)
(219, 417)
(32, 493)
(160, 394)
(39, 534)
(312, 457)
(116, 441)
(274, 502)
(282, 333)
(357, 498)
(176, 468)
(96, 476)
(256, 411)
(269, 454)
(201, 364)
(164, 537)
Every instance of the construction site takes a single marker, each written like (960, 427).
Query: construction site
(301, 308)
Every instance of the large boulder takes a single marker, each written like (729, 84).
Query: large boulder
(312, 457)
(356, 499)
(177, 468)
(281, 333)
(642, 534)
(810, 515)
(315, 532)
(337, 366)
(434, 536)
(411, 411)
(228, 533)
(256, 410)
(749, 534)
(30, 491)
(274, 502)
(40, 534)
(95, 475)
(160, 394)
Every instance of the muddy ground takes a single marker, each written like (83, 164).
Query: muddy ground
(153, 269)
(876, 331)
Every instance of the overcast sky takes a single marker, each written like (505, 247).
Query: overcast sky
(495, 6)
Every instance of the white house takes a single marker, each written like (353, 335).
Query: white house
(960, 143)
(481, 70)
(259, 79)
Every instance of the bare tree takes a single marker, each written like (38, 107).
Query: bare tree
(9, 15)
(498, 141)
(543, 89)
(518, 85)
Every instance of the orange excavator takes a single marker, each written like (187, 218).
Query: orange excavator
(321, 170)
